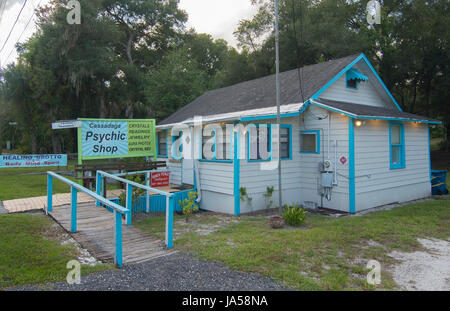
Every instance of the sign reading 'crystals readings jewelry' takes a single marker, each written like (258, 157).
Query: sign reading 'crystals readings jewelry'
(103, 138)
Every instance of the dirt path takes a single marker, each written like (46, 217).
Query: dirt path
(424, 270)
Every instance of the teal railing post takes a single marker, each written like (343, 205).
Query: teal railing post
(99, 186)
(170, 204)
(118, 238)
(129, 203)
(147, 198)
(73, 215)
(49, 193)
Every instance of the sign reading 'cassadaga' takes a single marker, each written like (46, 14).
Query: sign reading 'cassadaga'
(33, 160)
(100, 138)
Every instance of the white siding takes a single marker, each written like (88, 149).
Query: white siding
(300, 175)
(372, 158)
(369, 92)
(310, 175)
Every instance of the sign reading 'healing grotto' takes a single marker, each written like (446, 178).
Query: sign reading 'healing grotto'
(101, 138)
(33, 160)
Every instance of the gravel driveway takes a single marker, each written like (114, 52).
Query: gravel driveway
(177, 272)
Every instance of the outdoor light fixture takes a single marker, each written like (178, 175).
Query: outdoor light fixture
(359, 122)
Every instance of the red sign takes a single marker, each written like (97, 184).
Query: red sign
(343, 160)
(160, 179)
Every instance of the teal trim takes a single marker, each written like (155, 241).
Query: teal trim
(354, 116)
(289, 127)
(118, 238)
(354, 74)
(272, 116)
(317, 132)
(170, 222)
(49, 193)
(351, 166)
(323, 88)
(98, 187)
(214, 159)
(73, 210)
(270, 143)
(402, 163)
(381, 81)
(157, 146)
(349, 66)
(236, 177)
(174, 138)
(129, 203)
(429, 149)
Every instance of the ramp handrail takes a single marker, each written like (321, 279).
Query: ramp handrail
(118, 210)
(170, 201)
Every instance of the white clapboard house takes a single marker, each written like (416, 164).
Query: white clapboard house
(345, 142)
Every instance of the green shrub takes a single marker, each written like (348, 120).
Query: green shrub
(293, 215)
(189, 205)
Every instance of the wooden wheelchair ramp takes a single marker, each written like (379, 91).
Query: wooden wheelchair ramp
(95, 232)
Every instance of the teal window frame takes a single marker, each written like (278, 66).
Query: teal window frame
(317, 133)
(269, 129)
(181, 146)
(157, 145)
(289, 127)
(402, 163)
(214, 159)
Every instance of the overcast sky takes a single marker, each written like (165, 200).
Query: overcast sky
(216, 17)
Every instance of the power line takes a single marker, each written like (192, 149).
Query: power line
(26, 26)
(15, 22)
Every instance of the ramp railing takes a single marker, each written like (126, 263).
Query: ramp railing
(170, 200)
(74, 189)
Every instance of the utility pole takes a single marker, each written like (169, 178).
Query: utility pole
(1, 140)
(277, 78)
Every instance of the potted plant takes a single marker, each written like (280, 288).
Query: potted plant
(276, 222)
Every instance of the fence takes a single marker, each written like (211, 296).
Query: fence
(169, 198)
(74, 188)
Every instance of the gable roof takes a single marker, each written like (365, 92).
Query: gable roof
(261, 93)
(370, 112)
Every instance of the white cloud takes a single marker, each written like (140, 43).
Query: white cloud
(219, 18)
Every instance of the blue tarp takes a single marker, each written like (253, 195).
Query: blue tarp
(438, 182)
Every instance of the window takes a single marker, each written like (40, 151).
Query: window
(177, 142)
(285, 142)
(259, 142)
(162, 144)
(352, 84)
(396, 145)
(353, 77)
(220, 147)
(310, 141)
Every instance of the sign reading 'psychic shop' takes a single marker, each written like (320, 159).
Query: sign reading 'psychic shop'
(33, 160)
(101, 139)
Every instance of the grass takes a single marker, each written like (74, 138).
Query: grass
(31, 252)
(19, 183)
(324, 254)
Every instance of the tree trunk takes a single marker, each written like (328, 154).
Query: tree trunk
(102, 104)
(447, 136)
(1, 137)
(129, 111)
(55, 142)
(129, 44)
(33, 142)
